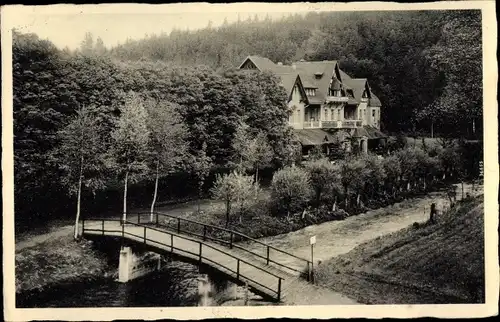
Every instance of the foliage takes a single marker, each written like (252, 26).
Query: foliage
(457, 53)
(81, 152)
(290, 189)
(237, 189)
(167, 135)
(324, 178)
(129, 153)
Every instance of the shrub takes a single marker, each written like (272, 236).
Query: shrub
(290, 189)
(324, 177)
(235, 188)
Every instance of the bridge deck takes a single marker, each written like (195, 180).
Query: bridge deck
(267, 279)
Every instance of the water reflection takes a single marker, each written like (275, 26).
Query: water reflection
(175, 285)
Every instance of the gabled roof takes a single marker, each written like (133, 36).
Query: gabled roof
(368, 131)
(358, 85)
(315, 137)
(288, 81)
(374, 101)
(308, 71)
(262, 63)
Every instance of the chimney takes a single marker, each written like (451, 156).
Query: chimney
(294, 67)
(280, 64)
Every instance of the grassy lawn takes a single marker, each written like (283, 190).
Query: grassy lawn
(424, 263)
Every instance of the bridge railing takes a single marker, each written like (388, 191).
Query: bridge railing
(100, 228)
(225, 237)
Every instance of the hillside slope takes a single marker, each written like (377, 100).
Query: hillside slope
(422, 264)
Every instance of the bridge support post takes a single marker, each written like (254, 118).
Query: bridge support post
(124, 266)
(204, 290)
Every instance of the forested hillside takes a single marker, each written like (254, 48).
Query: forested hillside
(424, 66)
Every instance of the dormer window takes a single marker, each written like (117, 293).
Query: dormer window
(350, 93)
(318, 75)
(335, 92)
(365, 94)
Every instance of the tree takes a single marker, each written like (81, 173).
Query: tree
(241, 146)
(200, 166)
(323, 176)
(168, 145)
(234, 188)
(99, 48)
(129, 152)
(80, 156)
(392, 168)
(458, 53)
(262, 153)
(87, 44)
(290, 189)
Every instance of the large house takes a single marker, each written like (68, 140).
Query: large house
(327, 105)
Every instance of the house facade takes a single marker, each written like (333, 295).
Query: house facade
(327, 105)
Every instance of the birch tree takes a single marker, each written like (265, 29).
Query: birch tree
(168, 146)
(81, 156)
(129, 152)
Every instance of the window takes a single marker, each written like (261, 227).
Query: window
(373, 113)
(326, 114)
(331, 115)
(338, 116)
(298, 116)
(310, 92)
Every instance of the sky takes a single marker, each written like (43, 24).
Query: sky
(67, 25)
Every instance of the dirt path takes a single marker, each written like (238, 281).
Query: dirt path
(334, 238)
(59, 229)
(338, 237)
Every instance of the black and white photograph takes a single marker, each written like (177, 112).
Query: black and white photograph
(226, 156)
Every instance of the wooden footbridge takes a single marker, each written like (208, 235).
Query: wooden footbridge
(267, 270)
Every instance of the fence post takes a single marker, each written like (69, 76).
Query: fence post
(123, 231)
(279, 289)
(171, 243)
(308, 272)
(231, 240)
(103, 227)
(157, 219)
(267, 255)
(138, 218)
(200, 254)
(238, 269)
(83, 226)
(204, 232)
(178, 225)
(144, 235)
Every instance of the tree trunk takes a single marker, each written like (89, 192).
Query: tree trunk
(228, 210)
(432, 129)
(156, 191)
(257, 175)
(200, 186)
(78, 200)
(346, 197)
(125, 199)
(462, 183)
(358, 199)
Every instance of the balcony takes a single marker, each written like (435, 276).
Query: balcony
(331, 124)
(336, 99)
(312, 125)
(351, 124)
(347, 124)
